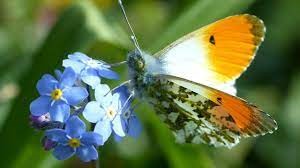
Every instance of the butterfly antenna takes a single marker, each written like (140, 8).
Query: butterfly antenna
(130, 97)
(118, 64)
(133, 37)
(117, 87)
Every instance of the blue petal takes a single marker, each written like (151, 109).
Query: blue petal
(57, 135)
(91, 138)
(78, 56)
(75, 127)
(118, 138)
(63, 152)
(104, 129)
(123, 91)
(60, 111)
(48, 77)
(101, 64)
(118, 126)
(90, 77)
(87, 153)
(107, 73)
(124, 95)
(116, 104)
(46, 85)
(102, 91)
(135, 127)
(68, 78)
(58, 74)
(40, 106)
(106, 103)
(75, 95)
(92, 112)
(75, 65)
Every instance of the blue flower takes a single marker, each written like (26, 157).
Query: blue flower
(57, 96)
(106, 111)
(89, 70)
(75, 140)
(130, 123)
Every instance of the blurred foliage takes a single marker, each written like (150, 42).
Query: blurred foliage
(36, 35)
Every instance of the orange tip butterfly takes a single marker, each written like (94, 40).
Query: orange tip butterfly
(190, 83)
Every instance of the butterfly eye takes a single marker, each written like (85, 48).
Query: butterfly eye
(140, 64)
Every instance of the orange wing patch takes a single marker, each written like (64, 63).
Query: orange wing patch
(249, 119)
(231, 44)
(216, 54)
(229, 111)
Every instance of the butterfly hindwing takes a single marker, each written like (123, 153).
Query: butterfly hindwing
(217, 53)
(248, 119)
(199, 114)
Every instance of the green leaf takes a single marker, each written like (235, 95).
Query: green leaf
(200, 13)
(78, 27)
(178, 155)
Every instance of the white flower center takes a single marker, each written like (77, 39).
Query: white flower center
(111, 113)
(46, 117)
(92, 63)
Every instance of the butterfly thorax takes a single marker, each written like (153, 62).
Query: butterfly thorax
(142, 69)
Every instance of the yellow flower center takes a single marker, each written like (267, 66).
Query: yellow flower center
(111, 113)
(74, 143)
(56, 94)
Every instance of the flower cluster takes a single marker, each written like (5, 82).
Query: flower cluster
(75, 101)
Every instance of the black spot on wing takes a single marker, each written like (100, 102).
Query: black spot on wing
(212, 40)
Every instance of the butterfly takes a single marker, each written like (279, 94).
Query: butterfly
(190, 83)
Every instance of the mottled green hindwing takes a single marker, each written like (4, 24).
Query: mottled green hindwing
(187, 114)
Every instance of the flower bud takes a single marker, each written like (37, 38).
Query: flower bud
(48, 144)
(39, 122)
(44, 122)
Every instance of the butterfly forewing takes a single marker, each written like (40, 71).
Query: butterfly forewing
(199, 114)
(217, 53)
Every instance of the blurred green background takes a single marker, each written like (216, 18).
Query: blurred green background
(35, 35)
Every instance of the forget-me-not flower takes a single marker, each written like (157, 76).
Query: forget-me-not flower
(56, 96)
(75, 140)
(130, 123)
(89, 70)
(106, 111)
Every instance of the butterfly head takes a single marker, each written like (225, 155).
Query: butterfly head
(135, 61)
(141, 68)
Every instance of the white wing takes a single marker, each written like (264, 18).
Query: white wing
(215, 55)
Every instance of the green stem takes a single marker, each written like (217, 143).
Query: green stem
(95, 162)
(89, 98)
